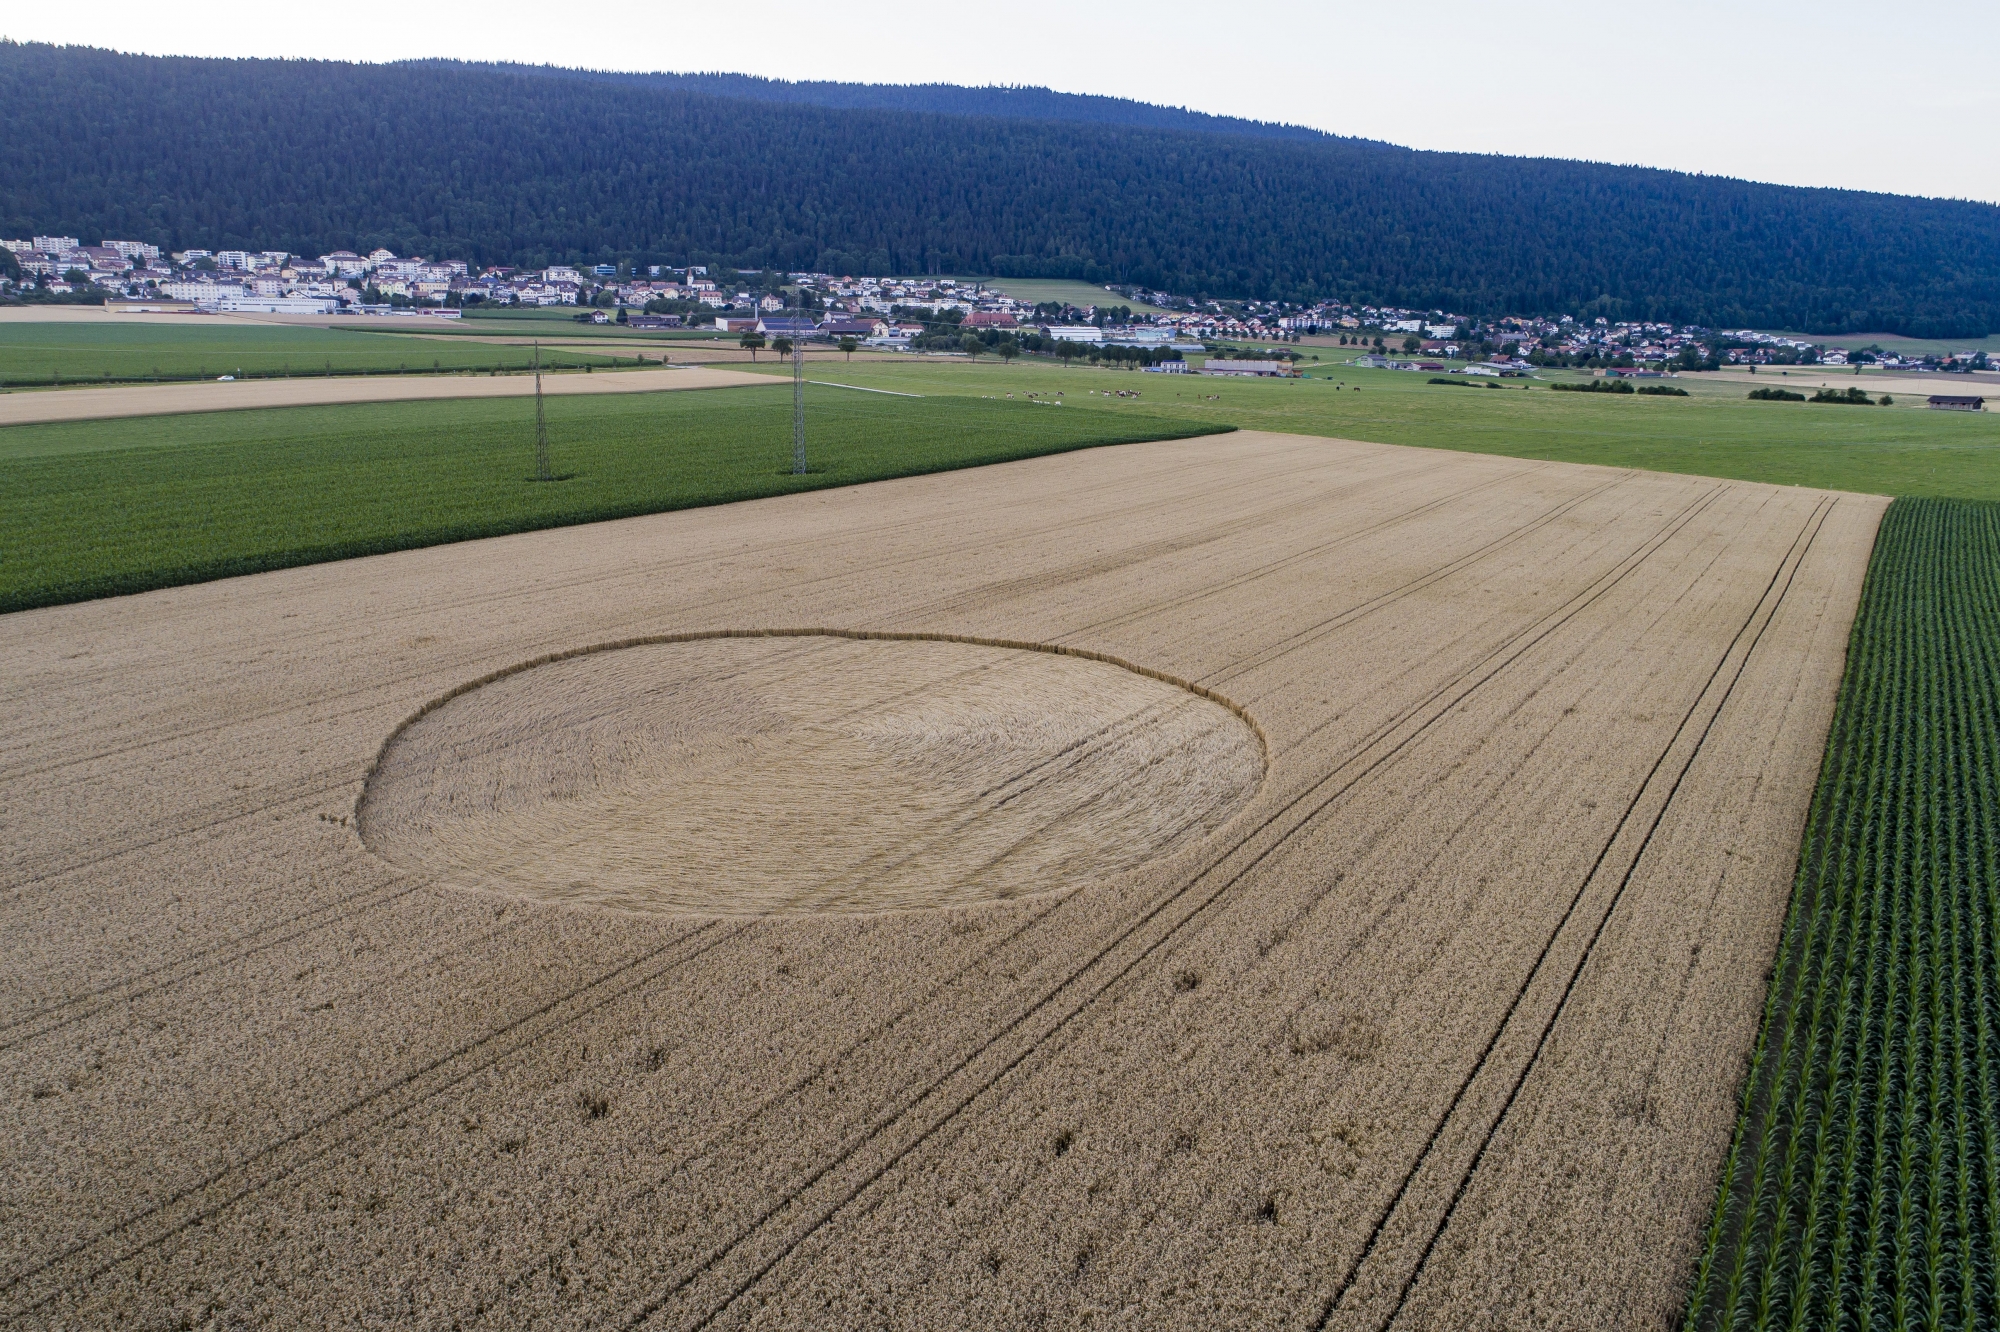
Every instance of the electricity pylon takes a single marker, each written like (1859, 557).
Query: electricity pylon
(541, 424)
(798, 407)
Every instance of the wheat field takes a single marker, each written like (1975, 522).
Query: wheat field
(1250, 881)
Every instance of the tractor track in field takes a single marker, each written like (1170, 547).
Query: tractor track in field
(1532, 635)
(771, 1112)
(1787, 570)
(192, 1205)
(202, 819)
(234, 1193)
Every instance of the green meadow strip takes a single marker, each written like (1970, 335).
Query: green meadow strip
(100, 508)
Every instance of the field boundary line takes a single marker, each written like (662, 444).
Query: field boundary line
(827, 383)
(1794, 557)
(882, 567)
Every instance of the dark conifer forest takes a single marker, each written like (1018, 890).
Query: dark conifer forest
(499, 164)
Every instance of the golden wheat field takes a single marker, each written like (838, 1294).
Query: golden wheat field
(1242, 882)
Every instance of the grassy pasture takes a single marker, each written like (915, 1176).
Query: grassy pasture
(1903, 346)
(1716, 431)
(38, 354)
(485, 326)
(1080, 294)
(553, 321)
(105, 507)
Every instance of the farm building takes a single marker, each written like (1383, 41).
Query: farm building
(1250, 369)
(781, 327)
(853, 328)
(1954, 402)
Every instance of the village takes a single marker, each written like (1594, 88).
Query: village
(936, 314)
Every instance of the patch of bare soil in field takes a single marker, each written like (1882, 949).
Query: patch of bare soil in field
(92, 404)
(749, 775)
(1377, 946)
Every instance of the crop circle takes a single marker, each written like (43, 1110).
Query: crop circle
(805, 772)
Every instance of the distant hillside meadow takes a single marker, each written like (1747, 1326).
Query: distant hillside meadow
(505, 165)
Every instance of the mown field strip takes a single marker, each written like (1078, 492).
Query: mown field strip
(1862, 1188)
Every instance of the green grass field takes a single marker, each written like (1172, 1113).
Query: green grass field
(105, 507)
(1903, 346)
(1862, 1189)
(552, 321)
(69, 352)
(1716, 431)
(94, 508)
(1080, 294)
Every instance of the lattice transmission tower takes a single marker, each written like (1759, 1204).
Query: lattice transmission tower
(541, 424)
(798, 407)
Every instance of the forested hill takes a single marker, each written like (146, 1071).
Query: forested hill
(499, 166)
(945, 98)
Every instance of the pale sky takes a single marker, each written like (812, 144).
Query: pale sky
(1868, 96)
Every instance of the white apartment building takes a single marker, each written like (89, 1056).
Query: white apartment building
(202, 291)
(136, 251)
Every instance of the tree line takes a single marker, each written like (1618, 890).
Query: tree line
(498, 166)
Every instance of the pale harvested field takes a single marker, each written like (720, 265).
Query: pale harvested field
(211, 396)
(1383, 950)
(1909, 388)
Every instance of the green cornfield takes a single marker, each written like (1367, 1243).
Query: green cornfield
(1862, 1189)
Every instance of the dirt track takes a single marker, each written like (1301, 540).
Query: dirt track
(210, 396)
(1440, 1026)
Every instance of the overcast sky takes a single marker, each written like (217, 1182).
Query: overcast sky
(1868, 96)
